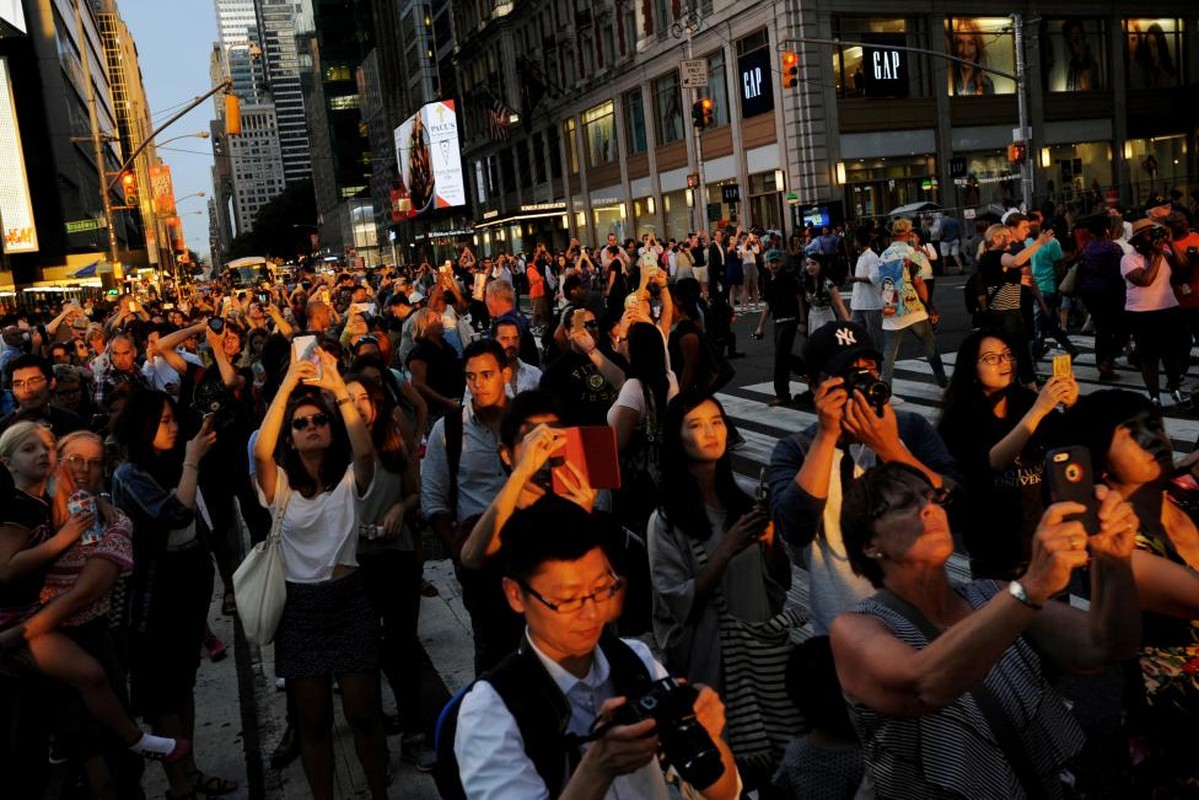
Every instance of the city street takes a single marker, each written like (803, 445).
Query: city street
(242, 715)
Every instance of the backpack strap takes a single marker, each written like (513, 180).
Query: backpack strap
(992, 710)
(454, 429)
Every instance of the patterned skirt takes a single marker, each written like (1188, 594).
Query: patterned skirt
(327, 629)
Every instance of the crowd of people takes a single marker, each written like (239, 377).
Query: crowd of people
(634, 631)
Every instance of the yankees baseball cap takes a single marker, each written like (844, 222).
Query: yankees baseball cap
(836, 345)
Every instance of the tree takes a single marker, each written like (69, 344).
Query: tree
(282, 226)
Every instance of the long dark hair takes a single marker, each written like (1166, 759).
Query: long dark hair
(679, 490)
(815, 284)
(335, 460)
(964, 398)
(647, 363)
(137, 427)
(385, 433)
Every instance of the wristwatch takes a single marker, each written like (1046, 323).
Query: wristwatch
(1017, 590)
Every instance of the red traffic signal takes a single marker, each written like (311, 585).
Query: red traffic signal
(129, 187)
(703, 113)
(1016, 152)
(790, 69)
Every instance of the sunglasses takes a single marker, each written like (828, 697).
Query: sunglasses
(302, 423)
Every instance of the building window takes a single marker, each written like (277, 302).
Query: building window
(849, 71)
(539, 157)
(717, 88)
(1074, 54)
(981, 43)
(572, 146)
(1154, 52)
(552, 143)
(634, 122)
(668, 109)
(599, 133)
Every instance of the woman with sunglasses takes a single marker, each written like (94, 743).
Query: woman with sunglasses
(157, 486)
(945, 681)
(311, 469)
(996, 429)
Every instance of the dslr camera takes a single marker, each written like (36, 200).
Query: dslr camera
(874, 390)
(1147, 243)
(683, 741)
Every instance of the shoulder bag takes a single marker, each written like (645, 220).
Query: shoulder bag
(259, 584)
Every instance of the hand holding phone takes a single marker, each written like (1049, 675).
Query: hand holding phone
(1069, 478)
(306, 348)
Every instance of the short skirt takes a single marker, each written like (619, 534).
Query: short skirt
(327, 629)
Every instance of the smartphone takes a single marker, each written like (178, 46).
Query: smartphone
(1062, 366)
(216, 324)
(578, 321)
(762, 495)
(325, 296)
(1070, 478)
(307, 348)
(358, 308)
(592, 450)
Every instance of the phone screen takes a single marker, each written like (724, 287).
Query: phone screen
(1062, 366)
(306, 348)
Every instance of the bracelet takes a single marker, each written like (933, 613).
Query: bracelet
(191, 464)
(1017, 590)
(344, 400)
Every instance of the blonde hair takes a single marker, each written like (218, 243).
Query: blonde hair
(993, 232)
(64, 484)
(424, 318)
(18, 432)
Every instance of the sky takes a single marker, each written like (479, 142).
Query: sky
(174, 39)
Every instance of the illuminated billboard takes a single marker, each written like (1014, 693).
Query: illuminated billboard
(161, 190)
(16, 208)
(429, 159)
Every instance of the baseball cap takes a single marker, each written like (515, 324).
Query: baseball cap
(774, 254)
(836, 345)
(416, 297)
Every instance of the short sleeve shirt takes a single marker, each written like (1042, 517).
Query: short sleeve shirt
(19, 598)
(115, 546)
(1154, 297)
(319, 532)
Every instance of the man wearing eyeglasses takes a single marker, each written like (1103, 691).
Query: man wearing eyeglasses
(568, 677)
(32, 381)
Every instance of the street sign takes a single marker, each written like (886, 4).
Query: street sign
(83, 225)
(730, 193)
(792, 199)
(969, 213)
(695, 73)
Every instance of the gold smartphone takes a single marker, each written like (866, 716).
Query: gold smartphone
(1062, 365)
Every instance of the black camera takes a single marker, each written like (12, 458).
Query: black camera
(874, 390)
(216, 324)
(1146, 243)
(683, 741)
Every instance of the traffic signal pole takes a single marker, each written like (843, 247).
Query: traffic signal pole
(699, 195)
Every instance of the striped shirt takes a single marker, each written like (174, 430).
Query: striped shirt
(951, 752)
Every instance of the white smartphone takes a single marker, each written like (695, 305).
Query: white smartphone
(306, 348)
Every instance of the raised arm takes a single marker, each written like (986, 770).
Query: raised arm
(361, 447)
(266, 471)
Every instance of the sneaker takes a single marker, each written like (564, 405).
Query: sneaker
(415, 750)
(779, 401)
(180, 751)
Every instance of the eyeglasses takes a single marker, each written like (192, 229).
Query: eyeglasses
(995, 359)
(32, 383)
(575, 604)
(302, 423)
(77, 461)
(914, 501)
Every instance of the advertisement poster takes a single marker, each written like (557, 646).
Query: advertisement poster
(1073, 54)
(16, 207)
(1152, 52)
(430, 160)
(161, 191)
(981, 44)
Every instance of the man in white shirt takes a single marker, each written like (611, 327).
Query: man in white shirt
(567, 591)
(866, 305)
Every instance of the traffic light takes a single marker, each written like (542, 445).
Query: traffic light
(129, 187)
(790, 69)
(1016, 152)
(703, 113)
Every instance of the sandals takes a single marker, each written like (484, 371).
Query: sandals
(209, 785)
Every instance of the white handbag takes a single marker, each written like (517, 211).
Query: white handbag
(259, 584)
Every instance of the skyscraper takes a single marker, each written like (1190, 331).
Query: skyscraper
(276, 20)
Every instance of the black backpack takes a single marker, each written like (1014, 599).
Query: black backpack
(540, 710)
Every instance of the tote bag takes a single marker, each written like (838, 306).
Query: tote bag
(259, 584)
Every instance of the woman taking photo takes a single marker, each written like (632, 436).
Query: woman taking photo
(945, 681)
(996, 430)
(1131, 451)
(156, 485)
(712, 562)
(29, 547)
(311, 468)
(435, 367)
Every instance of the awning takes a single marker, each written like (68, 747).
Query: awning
(87, 272)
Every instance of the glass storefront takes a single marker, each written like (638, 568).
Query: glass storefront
(766, 200)
(610, 218)
(1077, 174)
(717, 212)
(1156, 166)
(989, 179)
(645, 220)
(875, 186)
(677, 214)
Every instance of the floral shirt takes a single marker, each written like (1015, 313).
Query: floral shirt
(115, 545)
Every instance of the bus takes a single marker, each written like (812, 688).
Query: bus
(249, 272)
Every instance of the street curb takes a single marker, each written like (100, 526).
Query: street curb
(248, 702)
